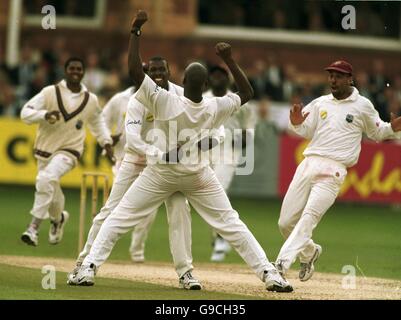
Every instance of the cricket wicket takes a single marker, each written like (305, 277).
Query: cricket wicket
(95, 190)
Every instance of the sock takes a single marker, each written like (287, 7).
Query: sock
(35, 223)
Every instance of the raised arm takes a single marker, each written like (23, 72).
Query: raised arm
(245, 91)
(134, 58)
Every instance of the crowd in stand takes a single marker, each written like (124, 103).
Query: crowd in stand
(281, 83)
(373, 18)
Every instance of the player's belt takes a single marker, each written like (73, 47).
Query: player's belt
(45, 154)
(73, 152)
(42, 154)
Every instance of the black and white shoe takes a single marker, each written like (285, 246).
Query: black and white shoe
(307, 269)
(56, 230)
(188, 282)
(30, 237)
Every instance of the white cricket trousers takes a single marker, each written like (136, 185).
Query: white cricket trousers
(140, 233)
(312, 191)
(205, 194)
(178, 215)
(226, 165)
(49, 198)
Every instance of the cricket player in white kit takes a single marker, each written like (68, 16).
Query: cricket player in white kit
(334, 123)
(114, 114)
(138, 126)
(62, 111)
(179, 118)
(232, 147)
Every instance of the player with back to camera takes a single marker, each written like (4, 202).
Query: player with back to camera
(334, 123)
(138, 127)
(62, 111)
(170, 173)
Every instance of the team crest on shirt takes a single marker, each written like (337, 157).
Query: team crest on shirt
(323, 114)
(150, 117)
(349, 118)
(79, 125)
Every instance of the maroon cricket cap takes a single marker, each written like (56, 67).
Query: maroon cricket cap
(340, 66)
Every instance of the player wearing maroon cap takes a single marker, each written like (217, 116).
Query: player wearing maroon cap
(334, 123)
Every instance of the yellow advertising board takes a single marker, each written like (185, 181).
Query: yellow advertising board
(18, 165)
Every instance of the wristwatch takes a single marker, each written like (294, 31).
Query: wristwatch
(136, 31)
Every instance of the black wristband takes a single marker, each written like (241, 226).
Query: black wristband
(136, 31)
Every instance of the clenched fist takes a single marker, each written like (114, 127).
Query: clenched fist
(140, 19)
(52, 116)
(223, 50)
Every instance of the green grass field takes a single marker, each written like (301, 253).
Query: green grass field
(367, 237)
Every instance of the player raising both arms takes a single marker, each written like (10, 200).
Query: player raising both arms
(175, 117)
(138, 129)
(62, 111)
(334, 123)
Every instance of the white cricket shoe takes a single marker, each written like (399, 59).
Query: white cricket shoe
(220, 249)
(138, 258)
(30, 237)
(71, 277)
(84, 277)
(275, 282)
(280, 268)
(307, 269)
(56, 230)
(188, 282)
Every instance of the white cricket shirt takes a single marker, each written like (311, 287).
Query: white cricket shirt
(114, 114)
(76, 111)
(181, 120)
(139, 123)
(335, 127)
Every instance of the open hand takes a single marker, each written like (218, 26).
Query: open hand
(296, 115)
(140, 19)
(395, 122)
(223, 50)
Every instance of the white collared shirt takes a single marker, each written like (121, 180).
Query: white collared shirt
(335, 127)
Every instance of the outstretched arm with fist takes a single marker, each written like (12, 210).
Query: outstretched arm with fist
(134, 58)
(245, 90)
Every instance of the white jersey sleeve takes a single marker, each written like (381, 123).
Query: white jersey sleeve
(34, 110)
(226, 106)
(133, 127)
(111, 113)
(375, 128)
(97, 125)
(308, 127)
(158, 101)
(219, 134)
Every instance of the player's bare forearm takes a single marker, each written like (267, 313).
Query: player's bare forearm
(134, 58)
(245, 90)
(135, 62)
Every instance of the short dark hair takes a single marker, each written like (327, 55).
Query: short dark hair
(158, 58)
(73, 59)
(215, 68)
